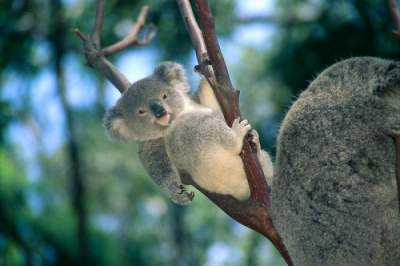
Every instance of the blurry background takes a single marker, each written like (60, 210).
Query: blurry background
(69, 196)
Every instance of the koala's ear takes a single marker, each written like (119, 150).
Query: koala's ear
(172, 73)
(388, 84)
(115, 124)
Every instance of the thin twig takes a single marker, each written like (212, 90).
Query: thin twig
(98, 25)
(132, 37)
(212, 45)
(151, 32)
(394, 10)
(82, 36)
(193, 29)
(95, 55)
(196, 37)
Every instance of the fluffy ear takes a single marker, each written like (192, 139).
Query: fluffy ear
(388, 84)
(172, 73)
(388, 89)
(115, 124)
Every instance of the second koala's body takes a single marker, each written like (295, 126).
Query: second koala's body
(176, 134)
(334, 193)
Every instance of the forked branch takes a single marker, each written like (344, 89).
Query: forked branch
(196, 36)
(133, 37)
(96, 56)
(397, 143)
(98, 24)
(255, 212)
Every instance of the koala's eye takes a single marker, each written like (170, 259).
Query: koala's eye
(141, 112)
(164, 96)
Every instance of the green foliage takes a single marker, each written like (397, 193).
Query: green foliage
(341, 29)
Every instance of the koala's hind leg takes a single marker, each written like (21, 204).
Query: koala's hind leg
(263, 157)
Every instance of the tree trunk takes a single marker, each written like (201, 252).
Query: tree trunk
(74, 163)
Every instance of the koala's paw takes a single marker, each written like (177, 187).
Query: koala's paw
(180, 195)
(255, 140)
(241, 128)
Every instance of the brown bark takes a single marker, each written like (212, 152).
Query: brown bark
(397, 142)
(395, 11)
(96, 55)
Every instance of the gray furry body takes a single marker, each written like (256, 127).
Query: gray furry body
(334, 195)
(175, 134)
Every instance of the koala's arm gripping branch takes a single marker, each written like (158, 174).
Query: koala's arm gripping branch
(255, 212)
(96, 56)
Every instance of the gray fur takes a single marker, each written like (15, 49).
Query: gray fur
(155, 160)
(334, 195)
(196, 140)
(142, 128)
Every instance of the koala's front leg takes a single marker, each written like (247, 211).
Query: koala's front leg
(232, 138)
(156, 162)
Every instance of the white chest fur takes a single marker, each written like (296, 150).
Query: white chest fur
(222, 173)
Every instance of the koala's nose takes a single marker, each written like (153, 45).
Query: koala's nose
(157, 109)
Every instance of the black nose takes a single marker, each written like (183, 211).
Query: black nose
(157, 109)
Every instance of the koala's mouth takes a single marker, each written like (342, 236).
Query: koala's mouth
(164, 120)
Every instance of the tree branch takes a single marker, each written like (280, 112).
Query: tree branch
(74, 161)
(394, 9)
(197, 40)
(96, 56)
(133, 36)
(255, 212)
(397, 143)
(98, 25)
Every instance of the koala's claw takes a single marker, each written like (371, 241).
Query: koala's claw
(255, 140)
(186, 192)
(181, 196)
(241, 128)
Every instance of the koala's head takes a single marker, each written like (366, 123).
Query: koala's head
(150, 105)
(365, 89)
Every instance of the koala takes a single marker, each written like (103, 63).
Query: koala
(176, 134)
(334, 192)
